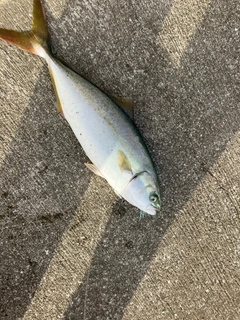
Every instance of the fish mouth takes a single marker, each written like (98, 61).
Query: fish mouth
(154, 206)
(151, 209)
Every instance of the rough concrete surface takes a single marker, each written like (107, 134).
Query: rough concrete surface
(70, 249)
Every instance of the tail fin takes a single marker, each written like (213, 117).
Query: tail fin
(36, 40)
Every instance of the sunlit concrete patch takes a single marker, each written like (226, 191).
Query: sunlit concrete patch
(72, 257)
(19, 73)
(198, 261)
(180, 25)
(57, 7)
(13, 14)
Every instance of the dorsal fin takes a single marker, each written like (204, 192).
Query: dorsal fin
(59, 106)
(125, 104)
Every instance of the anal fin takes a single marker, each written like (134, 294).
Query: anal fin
(118, 194)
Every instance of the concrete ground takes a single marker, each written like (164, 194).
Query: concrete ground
(70, 249)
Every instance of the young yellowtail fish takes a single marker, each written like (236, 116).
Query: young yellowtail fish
(102, 124)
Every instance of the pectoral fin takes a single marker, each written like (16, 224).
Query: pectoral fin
(118, 194)
(125, 104)
(123, 163)
(94, 169)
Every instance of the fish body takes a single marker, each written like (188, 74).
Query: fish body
(105, 132)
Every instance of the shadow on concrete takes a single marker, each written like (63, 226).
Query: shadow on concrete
(186, 115)
(41, 187)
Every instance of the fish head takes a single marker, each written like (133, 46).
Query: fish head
(143, 192)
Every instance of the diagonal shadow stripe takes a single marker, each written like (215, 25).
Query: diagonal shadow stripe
(71, 258)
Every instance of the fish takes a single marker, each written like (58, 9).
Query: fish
(102, 124)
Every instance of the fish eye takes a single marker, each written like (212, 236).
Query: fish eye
(153, 197)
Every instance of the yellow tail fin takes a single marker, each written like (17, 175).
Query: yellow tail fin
(35, 40)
